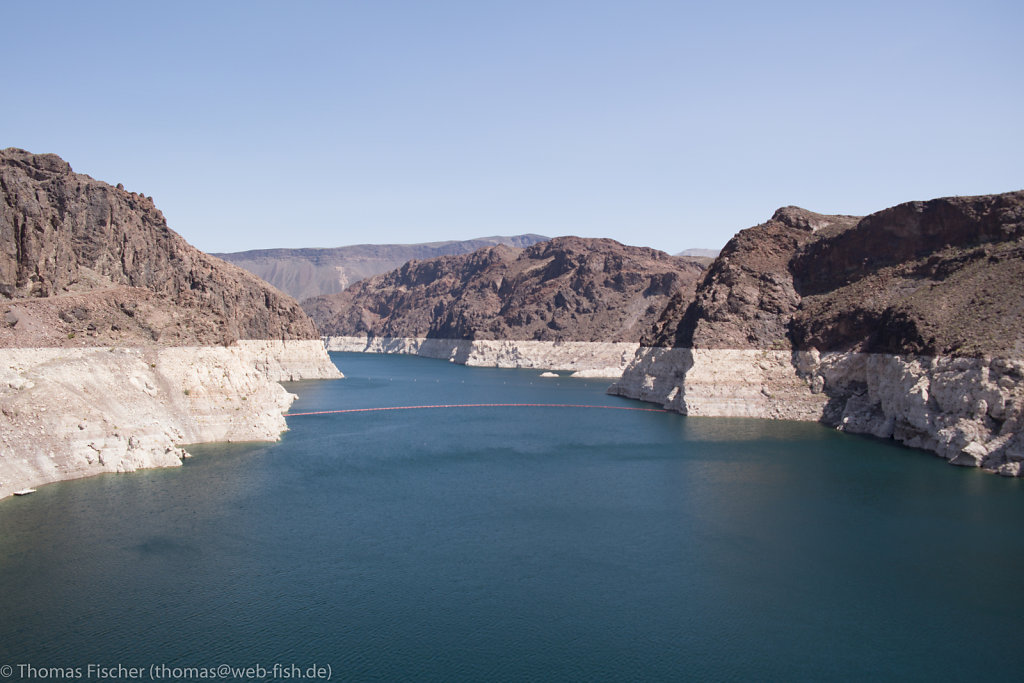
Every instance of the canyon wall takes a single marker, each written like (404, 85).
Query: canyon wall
(119, 341)
(907, 324)
(69, 413)
(569, 304)
(64, 235)
(969, 411)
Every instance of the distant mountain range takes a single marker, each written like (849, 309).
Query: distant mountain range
(705, 253)
(305, 273)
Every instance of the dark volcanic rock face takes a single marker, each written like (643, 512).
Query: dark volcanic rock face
(909, 233)
(937, 277)
(83, 260)
(566, 289)
(747, 297)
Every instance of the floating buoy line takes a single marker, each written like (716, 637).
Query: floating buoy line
(476, 405)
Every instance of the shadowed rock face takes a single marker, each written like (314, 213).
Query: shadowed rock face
(747, 296)
(565, 289)
(82, 263)
(941, 277)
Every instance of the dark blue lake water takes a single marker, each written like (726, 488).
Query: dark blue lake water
(523, 544)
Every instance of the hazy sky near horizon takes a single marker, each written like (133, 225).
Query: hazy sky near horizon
(658, 123)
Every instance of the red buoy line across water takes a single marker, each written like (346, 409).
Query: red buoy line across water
(476, 405)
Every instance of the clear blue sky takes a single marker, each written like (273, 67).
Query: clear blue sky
(666, 124)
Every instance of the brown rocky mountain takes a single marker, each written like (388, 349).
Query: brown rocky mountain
(942, 277)
(906, 324)
(84, 263)
(119, 342)
(305, 273)
(747, 296)
(565, 289)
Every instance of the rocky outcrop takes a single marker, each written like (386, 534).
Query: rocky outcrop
(305, 273)
(748, 295)
(288, 360)
(119, 341)
(64, 234)
(583, 359)
(569, 293)
(906, 324)
(967, 410)
(935, 278)
(70, 413)
(760, 383)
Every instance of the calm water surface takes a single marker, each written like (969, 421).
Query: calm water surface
(523, 544)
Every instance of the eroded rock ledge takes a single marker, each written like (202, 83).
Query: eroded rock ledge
(583, 359)
(71, 413)
(968, 410)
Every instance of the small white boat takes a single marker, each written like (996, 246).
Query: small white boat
(24, 492)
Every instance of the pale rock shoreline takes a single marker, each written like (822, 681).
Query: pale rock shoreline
(71, 413)
(970, 411)
(583, 359)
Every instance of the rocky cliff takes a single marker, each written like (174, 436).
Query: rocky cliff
(69, 413)
(305, 273)
(560, 296)
(64, 234)
(937, 278)
(748, 294)
(904, 324)
(120, 341)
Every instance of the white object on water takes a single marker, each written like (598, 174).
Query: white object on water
(24, 492)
